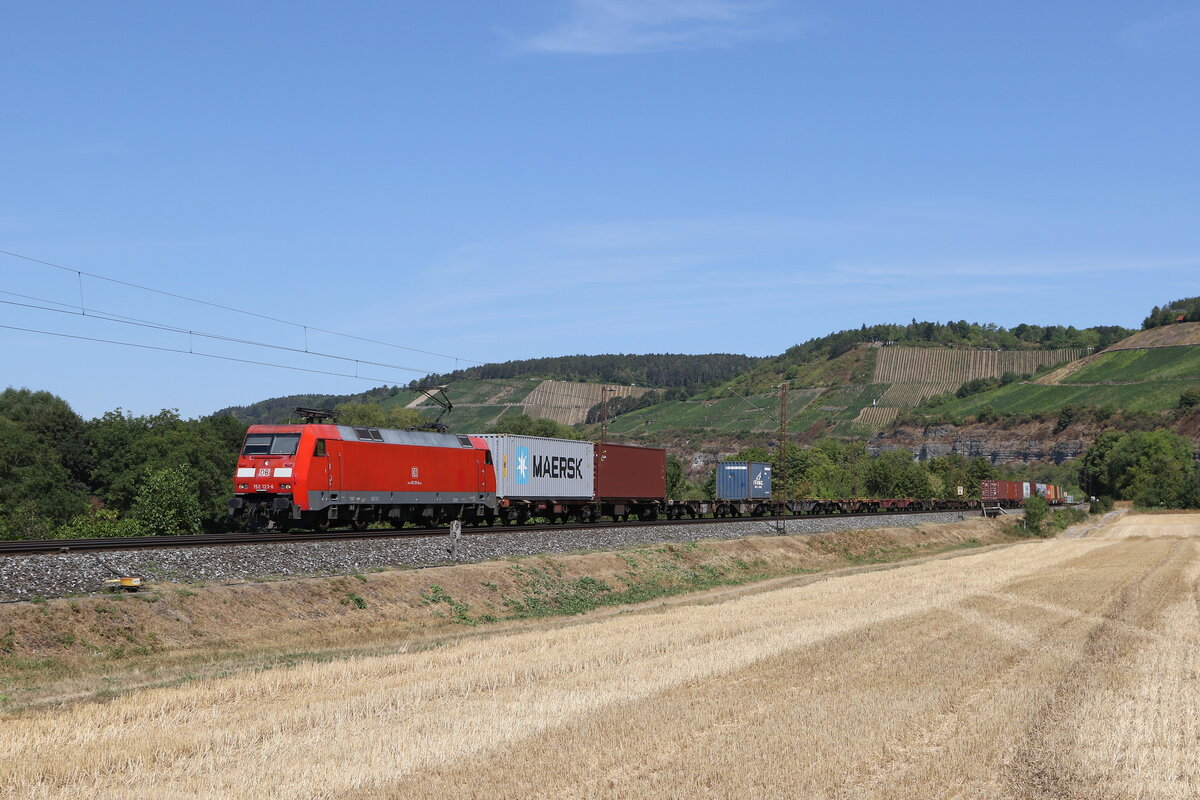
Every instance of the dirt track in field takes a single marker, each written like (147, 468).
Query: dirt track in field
(1050, 669)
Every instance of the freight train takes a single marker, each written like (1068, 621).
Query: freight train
(319, 474)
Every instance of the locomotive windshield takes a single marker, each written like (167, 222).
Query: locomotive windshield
(271, 444)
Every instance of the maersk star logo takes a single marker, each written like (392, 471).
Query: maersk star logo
(522, 465)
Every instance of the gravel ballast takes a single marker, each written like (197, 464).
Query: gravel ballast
(25, 577)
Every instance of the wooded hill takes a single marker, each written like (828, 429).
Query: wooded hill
(710, 391)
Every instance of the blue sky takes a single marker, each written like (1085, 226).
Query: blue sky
(543, 177)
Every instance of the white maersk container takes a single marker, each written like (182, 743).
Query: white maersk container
(537, 467)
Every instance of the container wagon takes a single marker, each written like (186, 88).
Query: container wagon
(1012, 494)
(743, 487)
(543, 477)
(630, 481)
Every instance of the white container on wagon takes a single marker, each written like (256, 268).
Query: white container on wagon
(536, 467)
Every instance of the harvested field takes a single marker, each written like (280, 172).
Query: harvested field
(1061, 668)
(946, 365)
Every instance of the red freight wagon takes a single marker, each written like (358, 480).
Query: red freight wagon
(632, 477)
(309, 475)
(1010, 494)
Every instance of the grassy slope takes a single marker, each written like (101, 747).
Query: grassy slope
(1138, 380)
(832, 390)
(1159, 364)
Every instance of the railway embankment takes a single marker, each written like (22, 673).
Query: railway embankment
(77, 647)
(31, 577)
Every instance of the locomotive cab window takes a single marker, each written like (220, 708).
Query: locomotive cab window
(268, 444)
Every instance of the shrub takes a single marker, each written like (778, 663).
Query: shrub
(100, 523)
(168, 502)
(1036, 510)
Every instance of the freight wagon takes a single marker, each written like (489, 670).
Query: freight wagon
(1012, 494)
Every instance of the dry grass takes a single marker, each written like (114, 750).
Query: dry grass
(1048, 669)
(78, 647)
(1176, 335)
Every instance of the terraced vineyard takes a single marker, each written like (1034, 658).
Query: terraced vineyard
(907, 395)
(945, 365)
(876, 417)
(568, 402)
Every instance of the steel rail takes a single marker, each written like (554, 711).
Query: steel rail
(34, 546)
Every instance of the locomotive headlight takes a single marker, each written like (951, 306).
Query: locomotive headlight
(285, 486)
(243, 486)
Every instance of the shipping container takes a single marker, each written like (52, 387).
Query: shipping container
(630, 473)
(991, 491)
(743, 480)
(535, 467)
(996, 491)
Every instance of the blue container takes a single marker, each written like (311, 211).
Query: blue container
(743, 480)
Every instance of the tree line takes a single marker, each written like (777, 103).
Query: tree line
(663, 370)
(116, 475)
(833, 469)
(1185, 310)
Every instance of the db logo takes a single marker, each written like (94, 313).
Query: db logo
(415, 473)
(264, 473)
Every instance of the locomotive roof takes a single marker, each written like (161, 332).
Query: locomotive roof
(366, 433)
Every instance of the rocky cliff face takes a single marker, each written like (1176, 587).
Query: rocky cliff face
(1025, 443)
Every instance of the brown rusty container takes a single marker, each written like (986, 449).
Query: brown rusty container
(993, 490)
(624, 472)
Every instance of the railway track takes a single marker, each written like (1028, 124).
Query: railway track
(31, 546)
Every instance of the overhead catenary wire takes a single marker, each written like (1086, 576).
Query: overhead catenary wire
(356, 375)
(144, 323)
(80, 273)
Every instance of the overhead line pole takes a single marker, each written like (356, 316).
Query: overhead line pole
(783, 388)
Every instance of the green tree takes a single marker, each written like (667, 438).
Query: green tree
(1190, 398)
(37, 493)
(676, 481)
(124, 448)
(55, 426)
(1093, 467)
(1036, 510)
(168, 502)
(373, 415)
(524, 425)
(1154, 469)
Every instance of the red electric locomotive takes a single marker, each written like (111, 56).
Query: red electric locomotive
(312, 475)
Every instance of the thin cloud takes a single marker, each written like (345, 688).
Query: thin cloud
(1175, 32)
(615, 27)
